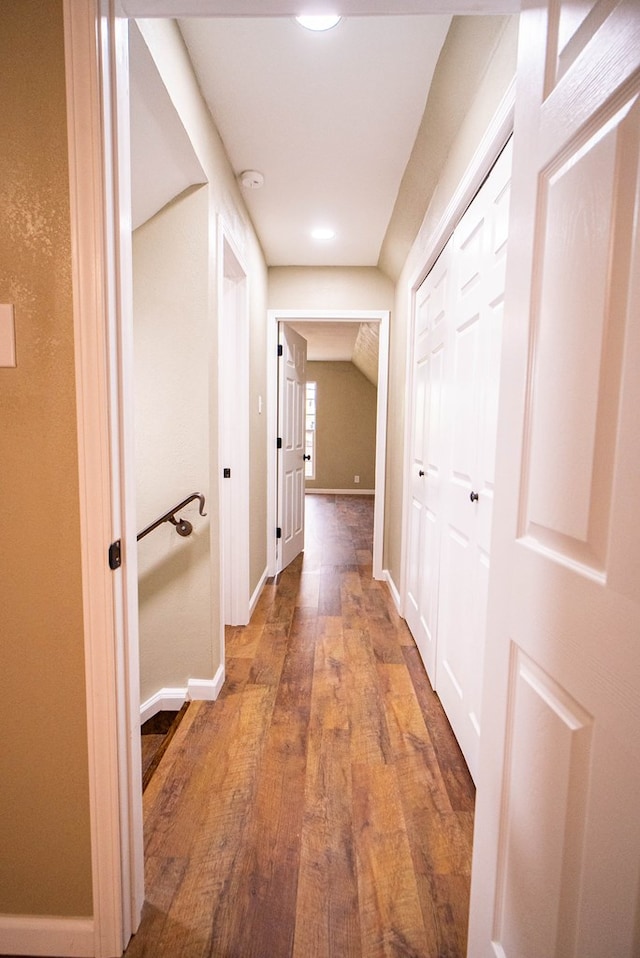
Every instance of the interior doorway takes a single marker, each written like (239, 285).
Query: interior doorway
(233, 389)
(301, 317)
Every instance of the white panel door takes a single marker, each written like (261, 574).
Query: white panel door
(477, 294)
(556, 866)
(291, 396)
(428, 445)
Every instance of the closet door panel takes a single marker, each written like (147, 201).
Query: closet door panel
(428, 445)
(480, 242)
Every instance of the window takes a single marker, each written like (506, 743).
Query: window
(310, 431)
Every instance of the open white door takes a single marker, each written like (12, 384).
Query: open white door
(291, 396)
(556, 866)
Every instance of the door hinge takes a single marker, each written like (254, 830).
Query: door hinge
(279, 442)
(226, 473)
(280, 349)
(278, 533)
(115, 555)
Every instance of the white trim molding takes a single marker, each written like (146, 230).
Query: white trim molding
(206, 690)
(172, 699)
(37, 935)
(164, 700)
(257, 592)
(395, 595)
(232, 377)
(116, 841)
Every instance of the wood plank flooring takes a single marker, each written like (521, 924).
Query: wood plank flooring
(321, 807)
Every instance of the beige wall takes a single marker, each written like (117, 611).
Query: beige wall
(45, 857)
(482, 108)
(346, 427)
(172, 342)
(329, 287)
(225, 203)
(465, 58)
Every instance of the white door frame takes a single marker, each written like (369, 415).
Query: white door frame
(96, 51)
(488, 150)
(233, 420)
(276, 316)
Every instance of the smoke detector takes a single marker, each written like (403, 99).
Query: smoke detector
(251, 179)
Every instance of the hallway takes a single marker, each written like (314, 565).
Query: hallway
(321, 806)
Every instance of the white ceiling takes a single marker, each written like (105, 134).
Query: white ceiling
(328, 341)
(329, 119)
(163, 162)
(317, 114)
(343, 342)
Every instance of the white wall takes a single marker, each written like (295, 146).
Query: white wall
(172, 342)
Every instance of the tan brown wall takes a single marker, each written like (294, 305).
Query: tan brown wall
(346, 427)
(45, 860)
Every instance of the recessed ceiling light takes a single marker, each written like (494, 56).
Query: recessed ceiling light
(323, 233)
(319, 22)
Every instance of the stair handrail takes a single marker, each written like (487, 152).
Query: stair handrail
(183, 526)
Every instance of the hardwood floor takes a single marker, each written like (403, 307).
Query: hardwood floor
(155, 735)
(321, 807)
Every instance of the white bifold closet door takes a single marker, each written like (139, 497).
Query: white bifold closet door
(457, 341)
(427, 467)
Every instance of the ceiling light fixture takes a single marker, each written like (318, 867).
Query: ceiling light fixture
(323, 233)
(319, 22)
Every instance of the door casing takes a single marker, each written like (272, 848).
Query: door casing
(276, 316)
(233, 431)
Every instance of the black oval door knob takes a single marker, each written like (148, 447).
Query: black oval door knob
(307, 458)
(421, 473)
(474, 496)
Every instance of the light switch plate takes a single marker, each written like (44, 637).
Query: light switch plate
(7, 336)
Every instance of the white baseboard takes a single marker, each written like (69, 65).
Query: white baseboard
(257, 592)
(340, 492)
(172, 700)
(206, 690)
(395, 595)
(165, 700)
(46, 935)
